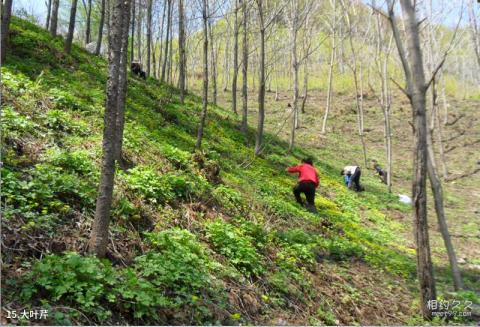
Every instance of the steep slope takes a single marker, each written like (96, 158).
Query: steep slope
(196, 238)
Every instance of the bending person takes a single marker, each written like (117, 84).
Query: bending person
(307, 183)
(352, 178)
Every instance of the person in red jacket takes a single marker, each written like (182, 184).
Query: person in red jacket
(307, 183)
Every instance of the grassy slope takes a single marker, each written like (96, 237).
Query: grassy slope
(187, 246)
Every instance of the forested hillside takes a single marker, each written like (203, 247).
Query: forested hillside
(203, 227)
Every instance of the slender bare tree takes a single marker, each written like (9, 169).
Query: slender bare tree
(118, 33)
(203, 116)
(149, 35)
(416, 88)
(235, 57)
(6, 15)
(49, 9)
(333, 33)
(71, 27)
(88, 23)
(181, 48)
(54, 18)
(475, 30)
(167, 40)
(100, 28)
(244, 67)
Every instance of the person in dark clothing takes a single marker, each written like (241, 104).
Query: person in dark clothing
(354, 180)
(380, 171)
(307, 183)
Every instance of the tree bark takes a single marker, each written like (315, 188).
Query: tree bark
(305, 85)
(261, 82)
(88, 23)
(474, 31)
(245, 69)
(235, 59)
(71, 27)
(117, 33)
(139, 32)
(293, 41)
(54, 18)
(132, 47)
(100, 29)
(437, 191)
(122, 86)
(6, 16)
(203, 116)
(416, 90)
(149, 36)
(164, 66)
(49, 9)
(213, 63)
(170, 50)
(181, 47)
(330, 69)
(161, 39)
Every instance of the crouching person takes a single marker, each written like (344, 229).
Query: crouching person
(352, 176)
(307, 183)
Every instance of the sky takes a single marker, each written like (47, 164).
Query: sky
(449, 8)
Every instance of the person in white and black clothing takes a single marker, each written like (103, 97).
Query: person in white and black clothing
(354, 173)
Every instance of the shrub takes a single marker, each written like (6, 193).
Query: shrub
(229, 199)
(64, 100)
(177, 157)
(149, 184)
(60, 121)
(237, 247)
(43, 193)
(15, 125)
(82, 282)
(77, 161)
(167, 187)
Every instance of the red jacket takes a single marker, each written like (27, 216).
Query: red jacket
(306, 173)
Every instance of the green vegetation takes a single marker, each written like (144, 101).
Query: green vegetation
(187, 246)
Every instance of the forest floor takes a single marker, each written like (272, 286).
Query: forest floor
(211, 237)
(341, 146)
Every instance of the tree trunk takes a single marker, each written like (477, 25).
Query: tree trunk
(474, 31)
(6, 15)
(170, 50)
(161, 39)
(213, 62)
(49, 9)
(305, 85)
(149, 36)
(437, 191)
(293, 41)
(139, 32)
(226, 56)
(71, 27)
(235, 59)
(164, 66)
(117, 33)
(330, 69)
(88, 23)
(122, 86)
(261, 82)
(416, 90)
(245, 69)
(181, 47)
(132, 47)
(203, 117)
(100, 29)
(54, 18)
